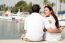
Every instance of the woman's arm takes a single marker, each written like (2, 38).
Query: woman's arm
(54, 30)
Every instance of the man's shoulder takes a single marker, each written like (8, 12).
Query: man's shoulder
(28, 17)
(43, 19)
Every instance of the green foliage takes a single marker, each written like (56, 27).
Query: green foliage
(46, 2)
(51, 4)
(20, 3)
(62, 1)
(3, 7)
(23, 6)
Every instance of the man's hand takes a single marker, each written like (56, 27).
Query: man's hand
(24, 31)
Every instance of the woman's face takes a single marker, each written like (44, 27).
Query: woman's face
(47, 12)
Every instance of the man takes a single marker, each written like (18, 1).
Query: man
(34, 25)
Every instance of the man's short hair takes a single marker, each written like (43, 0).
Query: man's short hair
(35, 8)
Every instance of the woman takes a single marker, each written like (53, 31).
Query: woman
(53, 32)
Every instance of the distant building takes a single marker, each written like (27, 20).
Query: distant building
(7, 13)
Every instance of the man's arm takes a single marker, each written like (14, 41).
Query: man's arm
(25, 25)
(54, 30)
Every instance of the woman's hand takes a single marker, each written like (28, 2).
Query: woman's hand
(62, 28)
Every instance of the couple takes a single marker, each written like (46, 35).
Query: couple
(36, 26)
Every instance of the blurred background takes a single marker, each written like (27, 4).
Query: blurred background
(14, 12)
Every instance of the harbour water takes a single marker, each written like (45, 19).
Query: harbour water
(11, 29)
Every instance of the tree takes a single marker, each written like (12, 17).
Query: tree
(51, 4)
(62, 1)
(20, 3)
(23, 6)
(46, 2)
(1, 7)
(30, 7)
(14, 10)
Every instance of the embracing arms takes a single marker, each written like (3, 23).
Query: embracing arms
(59, 30)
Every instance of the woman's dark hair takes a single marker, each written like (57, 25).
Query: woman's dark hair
(53, 14)
(35, 8)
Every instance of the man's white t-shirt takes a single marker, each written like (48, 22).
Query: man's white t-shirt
(34, 27)
(50, 23)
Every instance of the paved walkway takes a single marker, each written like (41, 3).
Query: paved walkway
(21, 41)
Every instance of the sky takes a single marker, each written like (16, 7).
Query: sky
(9, 2)
(13, 2)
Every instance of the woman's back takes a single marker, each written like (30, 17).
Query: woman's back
(50, 23)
